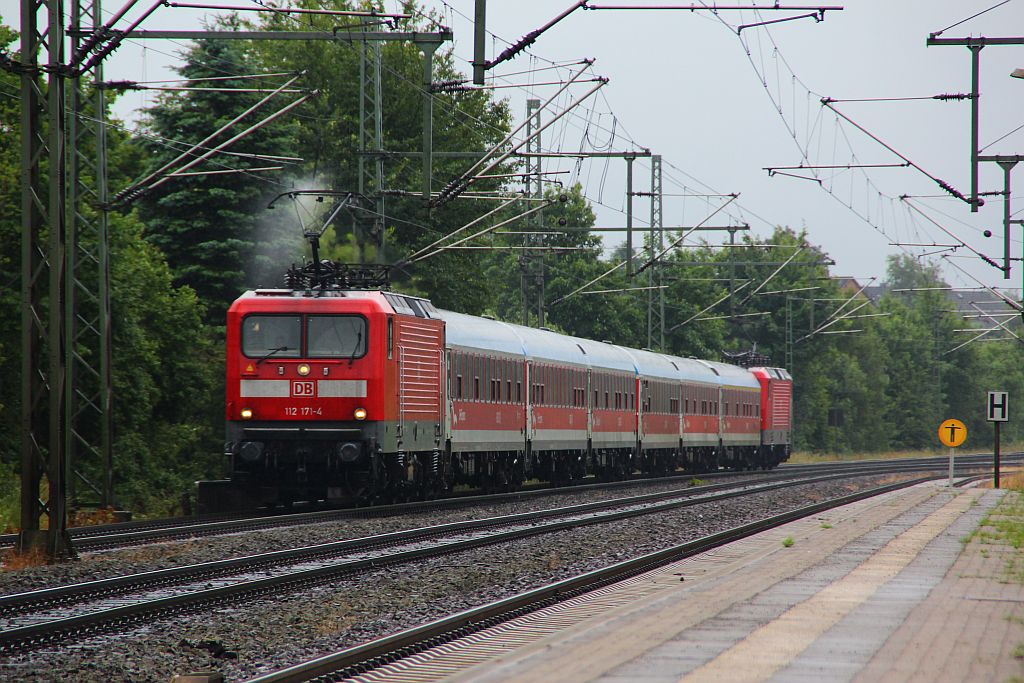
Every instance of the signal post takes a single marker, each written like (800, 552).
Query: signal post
(997, 412)
(952, 433)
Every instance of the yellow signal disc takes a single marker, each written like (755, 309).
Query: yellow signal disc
(952, 433)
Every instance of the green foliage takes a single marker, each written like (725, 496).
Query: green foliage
(169, 377)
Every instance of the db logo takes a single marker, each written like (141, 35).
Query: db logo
(303, 389)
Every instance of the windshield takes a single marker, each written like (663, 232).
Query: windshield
(277, 335)
(336, 336)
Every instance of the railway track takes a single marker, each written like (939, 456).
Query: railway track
(43, 617)
(374, 659)
(126, 534)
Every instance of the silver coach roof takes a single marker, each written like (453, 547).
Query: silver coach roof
(472, 332)
(493, 335)
(733, 375)
(651, 364)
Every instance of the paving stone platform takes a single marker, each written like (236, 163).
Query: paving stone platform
(881, 590)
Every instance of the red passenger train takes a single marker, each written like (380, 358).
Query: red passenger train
(367, 395)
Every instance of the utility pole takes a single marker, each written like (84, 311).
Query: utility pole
(533, 189)
(732, 272)
(789, 334)
(88, 331)
(371, 137)
(656, 242)
(629, 215)
(45, 386)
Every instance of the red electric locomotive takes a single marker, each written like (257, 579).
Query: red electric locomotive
(327, 393)
(347, 394)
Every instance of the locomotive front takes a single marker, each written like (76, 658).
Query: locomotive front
(305, 393)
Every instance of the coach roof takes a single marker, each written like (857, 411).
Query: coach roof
(471, 332)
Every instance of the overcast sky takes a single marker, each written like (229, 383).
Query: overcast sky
(719, 107)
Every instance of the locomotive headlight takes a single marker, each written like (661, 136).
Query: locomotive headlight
(246, 413)
(304, 369)
(359, 413)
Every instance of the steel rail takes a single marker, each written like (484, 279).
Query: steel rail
(45, 632)
(368, 656)
(125, 534)
(74, 593)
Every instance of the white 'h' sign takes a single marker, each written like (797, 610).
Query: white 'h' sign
(998, 406)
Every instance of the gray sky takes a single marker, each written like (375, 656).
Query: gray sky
(686, 86)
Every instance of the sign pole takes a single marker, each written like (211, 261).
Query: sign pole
(998, 411)
(996, 482)
(951, 451)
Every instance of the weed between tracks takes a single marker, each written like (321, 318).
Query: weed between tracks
(11, 560)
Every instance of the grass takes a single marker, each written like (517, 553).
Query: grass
(1003, 527)
(788, 542)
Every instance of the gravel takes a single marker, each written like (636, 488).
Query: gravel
(263, 635)
(103, 564)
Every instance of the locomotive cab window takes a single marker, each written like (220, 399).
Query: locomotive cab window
(277, 336)
(336, 336)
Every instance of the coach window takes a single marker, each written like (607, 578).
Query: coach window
(488, 374)
(458, 386)
(336, 336)
(278, 336)
(505, 374)
(476, 388)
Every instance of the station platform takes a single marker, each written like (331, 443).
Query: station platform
(896, 588)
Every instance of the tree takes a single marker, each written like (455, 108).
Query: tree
(10, 255)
